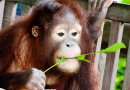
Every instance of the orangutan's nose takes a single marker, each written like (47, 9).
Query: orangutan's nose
(69, 44)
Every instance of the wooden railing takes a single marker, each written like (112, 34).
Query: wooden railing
(118, 13)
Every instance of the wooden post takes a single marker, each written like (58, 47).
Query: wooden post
(10, 13)
(2, 5)
(126, 82)
(98, 47)
(29, 2)
(25, 9)
(112, 58)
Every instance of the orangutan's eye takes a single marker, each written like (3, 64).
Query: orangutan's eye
(74, 33)
(61, 34)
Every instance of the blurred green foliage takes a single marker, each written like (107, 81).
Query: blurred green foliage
(124, 1)
(120, 72)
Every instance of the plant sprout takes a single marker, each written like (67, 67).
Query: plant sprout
(112, 48)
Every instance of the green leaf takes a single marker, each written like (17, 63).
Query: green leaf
(62, 60)
(113, 48)
(58, 62)
(86, 60)
(80, 57)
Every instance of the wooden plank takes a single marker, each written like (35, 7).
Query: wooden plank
(2, 5)
(25, 9)
(10, 13)
(126, 82)
(29, 2)
(112, 58)
(119, 12)
(98, 47)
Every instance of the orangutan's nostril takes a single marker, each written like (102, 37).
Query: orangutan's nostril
(69, 44)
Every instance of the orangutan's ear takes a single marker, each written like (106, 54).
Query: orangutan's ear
(35, 31)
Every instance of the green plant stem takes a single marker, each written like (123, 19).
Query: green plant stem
(112, 48)
(50, 67)
(60, 61)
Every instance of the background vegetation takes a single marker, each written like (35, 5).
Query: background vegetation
(124, 1)
(120, 72)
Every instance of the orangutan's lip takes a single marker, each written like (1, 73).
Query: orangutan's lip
(66, 58)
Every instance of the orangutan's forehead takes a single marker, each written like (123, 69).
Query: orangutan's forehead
(66, 16)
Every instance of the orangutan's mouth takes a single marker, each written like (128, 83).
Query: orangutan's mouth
(66, 58)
